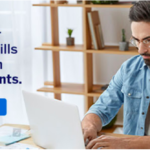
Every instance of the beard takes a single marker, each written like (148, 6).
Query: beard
(147, 62)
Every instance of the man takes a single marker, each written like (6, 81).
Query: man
(131, 87)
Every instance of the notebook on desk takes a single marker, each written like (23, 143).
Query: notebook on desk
(10, 135)
(7, 140)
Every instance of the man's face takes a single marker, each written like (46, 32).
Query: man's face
(141, 31)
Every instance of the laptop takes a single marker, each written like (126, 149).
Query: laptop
(54, 124)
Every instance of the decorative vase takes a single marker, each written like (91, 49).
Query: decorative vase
(124, 46)
(70, 41)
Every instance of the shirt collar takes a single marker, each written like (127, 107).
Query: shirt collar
(143, 65)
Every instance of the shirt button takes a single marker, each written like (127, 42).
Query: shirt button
(147, 96)
(143, 113)
(141, 127)
(129, 94)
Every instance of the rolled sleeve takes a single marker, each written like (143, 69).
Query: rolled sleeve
(110, 101)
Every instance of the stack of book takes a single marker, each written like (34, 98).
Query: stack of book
(96, 30)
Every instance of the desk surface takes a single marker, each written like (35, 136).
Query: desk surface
(30, 140)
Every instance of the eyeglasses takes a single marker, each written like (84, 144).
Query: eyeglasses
(136, 43)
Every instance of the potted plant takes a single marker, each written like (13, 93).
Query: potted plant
(124, 45)
(70, 40)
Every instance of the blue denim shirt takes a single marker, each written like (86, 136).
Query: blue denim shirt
(131, 87)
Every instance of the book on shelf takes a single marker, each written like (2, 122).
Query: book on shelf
(95, 30)
(99, 36)
(92, 30)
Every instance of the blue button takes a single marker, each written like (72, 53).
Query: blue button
(3, 106)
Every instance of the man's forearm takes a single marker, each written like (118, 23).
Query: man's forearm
(92, 120)
(141, 142)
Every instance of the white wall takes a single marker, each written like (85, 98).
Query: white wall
(105, 65)
(20, 27)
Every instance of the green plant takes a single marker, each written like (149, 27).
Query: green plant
(70, 32)
(103, 2)
(111, 123)
(123, 35)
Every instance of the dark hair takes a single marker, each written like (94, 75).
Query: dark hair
(140, 11)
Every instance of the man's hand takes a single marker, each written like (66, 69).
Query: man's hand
(110, 142)
(91, 125)
(89, 133)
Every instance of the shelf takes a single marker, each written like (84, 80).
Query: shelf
(59, 5)
(61, 47)
(42, 4)
(87, 5)
(80, 48)
(109, 5)
(71, 88)
(67, 88)
(96, 91)
(85, 48)
(115, 50)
